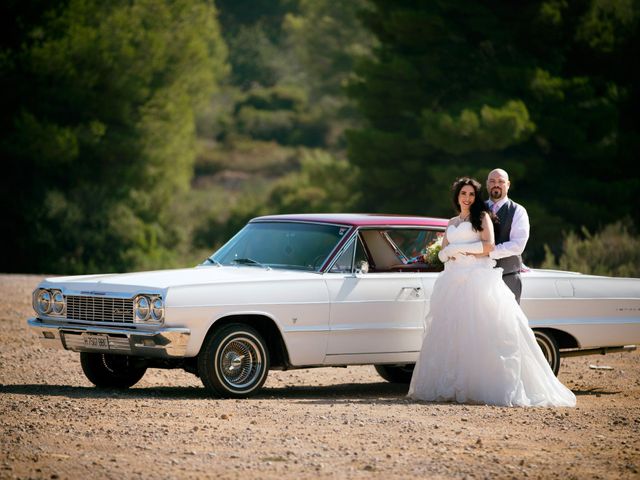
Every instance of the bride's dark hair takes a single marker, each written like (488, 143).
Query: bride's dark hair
(477, 207)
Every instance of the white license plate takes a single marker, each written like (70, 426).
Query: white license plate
(100, 342)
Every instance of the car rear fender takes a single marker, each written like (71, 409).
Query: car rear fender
(564, 339)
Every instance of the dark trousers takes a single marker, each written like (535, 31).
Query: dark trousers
(514, 282)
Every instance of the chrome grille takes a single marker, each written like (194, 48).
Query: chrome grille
(99, 309)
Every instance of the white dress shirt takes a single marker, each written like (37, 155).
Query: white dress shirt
(517, 237)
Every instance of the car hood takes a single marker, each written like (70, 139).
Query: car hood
(164, 279)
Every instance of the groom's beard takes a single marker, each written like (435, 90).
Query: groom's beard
(496, 193)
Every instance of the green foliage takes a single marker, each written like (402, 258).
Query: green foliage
(274, 99)
(253, 31)
(243, 155)
(613, 251)
(326, 38)
(491, 129)
(290, 62)
(461, 87)
(282, 114)
(322, 184)
(100, 131)
(106, 100)
(252, 57)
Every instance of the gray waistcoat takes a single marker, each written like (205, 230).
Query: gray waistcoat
(505, 215)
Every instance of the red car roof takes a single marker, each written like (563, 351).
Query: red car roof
(358, 219)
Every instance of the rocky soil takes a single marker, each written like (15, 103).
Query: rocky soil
(317, 423)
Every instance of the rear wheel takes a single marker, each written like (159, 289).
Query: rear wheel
(106, 370)
(234, 361)
(396, 373)
(550, 350)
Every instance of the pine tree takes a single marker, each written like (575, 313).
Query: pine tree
(98, 132)
(535, 87)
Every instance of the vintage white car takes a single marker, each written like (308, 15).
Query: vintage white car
(297, 291)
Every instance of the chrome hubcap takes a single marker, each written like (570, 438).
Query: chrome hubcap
(241, 362)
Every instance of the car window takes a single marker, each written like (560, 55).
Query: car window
(412, 242)
(289, 245)
(401, 249)
(345, 261)
(361, 254)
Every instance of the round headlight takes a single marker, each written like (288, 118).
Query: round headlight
(58, 303)
(157, 309)
(141, 308)
(43, 301)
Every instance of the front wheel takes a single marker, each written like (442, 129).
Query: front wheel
(234, 361)
(396, 373)
(550, 350)
(106, 370)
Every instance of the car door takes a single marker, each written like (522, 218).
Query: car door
(375, 316)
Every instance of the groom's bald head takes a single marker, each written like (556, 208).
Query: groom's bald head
(500, 172)
(498, 184)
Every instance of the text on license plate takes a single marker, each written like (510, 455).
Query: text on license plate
(96, 341)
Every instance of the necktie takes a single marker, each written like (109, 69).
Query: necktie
(494, 208)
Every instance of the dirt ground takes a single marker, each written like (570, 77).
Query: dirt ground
(316, 423)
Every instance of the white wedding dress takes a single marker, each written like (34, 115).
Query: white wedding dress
(478, 347)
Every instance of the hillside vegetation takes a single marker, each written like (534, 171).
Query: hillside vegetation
(144, 134)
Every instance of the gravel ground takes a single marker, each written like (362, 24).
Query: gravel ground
(316, 423)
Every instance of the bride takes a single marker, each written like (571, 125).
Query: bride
(478, 346)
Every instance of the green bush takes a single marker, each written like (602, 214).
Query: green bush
(266, 124)
(614, 251)
(281, 113)
(323, 184)
(279, 97)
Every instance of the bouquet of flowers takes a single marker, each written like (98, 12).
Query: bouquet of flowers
(432, 250)
(429, 254)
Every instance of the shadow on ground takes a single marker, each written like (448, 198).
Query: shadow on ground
(361, 391)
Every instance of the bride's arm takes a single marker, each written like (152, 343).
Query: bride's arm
(487, 236)
(445, 240)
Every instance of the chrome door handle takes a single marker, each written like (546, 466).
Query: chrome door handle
(416, 290)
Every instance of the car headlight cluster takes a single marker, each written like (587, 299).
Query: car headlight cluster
(148, 309)
(49, 302)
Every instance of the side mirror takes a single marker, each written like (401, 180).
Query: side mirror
(362, 266)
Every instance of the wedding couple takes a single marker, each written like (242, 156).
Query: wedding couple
(478, 347)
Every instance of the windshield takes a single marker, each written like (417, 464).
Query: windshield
(299, 246)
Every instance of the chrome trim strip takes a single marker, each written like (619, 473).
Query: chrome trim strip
(310, 222)
(102, 294)
(306, 329)
(370, 353)
(244, 306)
(534, 323)
(375, 328)
(347, 329)
(592, 299)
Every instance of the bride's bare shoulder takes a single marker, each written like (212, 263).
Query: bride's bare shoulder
(452, 220)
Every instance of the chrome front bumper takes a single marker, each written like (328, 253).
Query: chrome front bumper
(164, 342)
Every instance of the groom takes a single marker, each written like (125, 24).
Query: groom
(512, 232)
